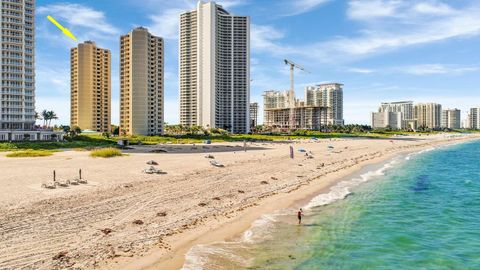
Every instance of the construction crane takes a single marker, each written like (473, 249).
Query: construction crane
(291, 96)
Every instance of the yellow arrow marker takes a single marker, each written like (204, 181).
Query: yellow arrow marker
(64, 30)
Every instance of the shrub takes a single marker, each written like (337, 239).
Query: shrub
(7, 146)
(106, 153)
(30, 153)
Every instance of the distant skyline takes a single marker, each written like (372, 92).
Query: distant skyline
(424, 51)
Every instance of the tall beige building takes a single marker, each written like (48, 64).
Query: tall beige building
(141, 83)
(428, 115)
(90, 87)
(215, 68)
(451, 118)
(17, 57)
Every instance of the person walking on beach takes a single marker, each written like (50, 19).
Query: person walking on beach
(299, 215)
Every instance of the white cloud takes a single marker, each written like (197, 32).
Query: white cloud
(166, 24)
(303, 6)
(419, 70)
(77, 15)
(397, 24)
(395, 32)
(361, 70)
(372, 9)
(433, 8)
(432, 69)
(263, 37)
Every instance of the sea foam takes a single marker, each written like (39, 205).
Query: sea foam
(342, 189)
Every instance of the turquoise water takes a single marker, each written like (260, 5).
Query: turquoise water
(421, 213)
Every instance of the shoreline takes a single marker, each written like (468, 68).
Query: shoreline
(234, 228)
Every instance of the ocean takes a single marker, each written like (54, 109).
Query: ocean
(417, 211)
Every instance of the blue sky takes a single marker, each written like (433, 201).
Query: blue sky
(382, 50)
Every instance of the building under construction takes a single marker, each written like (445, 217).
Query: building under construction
(323, 106)
(305, 117)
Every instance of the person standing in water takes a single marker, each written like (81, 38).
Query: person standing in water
(299, 215)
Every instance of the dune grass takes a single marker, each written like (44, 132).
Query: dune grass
(30, 153)
(106, 152)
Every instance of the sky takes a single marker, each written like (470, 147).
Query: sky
(381, 50)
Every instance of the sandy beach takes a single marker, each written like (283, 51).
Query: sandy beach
(125, 219)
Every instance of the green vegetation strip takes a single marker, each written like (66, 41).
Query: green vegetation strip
(30, 153)
(94, 141)
(106, 153)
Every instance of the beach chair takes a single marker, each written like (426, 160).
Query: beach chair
(63, 183)
(74, 182)
(152, 170)
(216, 164)
(49, 185)
(152, 162)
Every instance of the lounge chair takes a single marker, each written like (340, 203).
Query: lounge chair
(63, 183)
(216, 164)
(49, 185)
(152, 170)
(74, 182)
(82, 181)
(152, 162)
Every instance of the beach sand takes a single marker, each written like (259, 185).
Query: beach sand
(124, 219)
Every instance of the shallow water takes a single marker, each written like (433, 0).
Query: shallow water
(416, 212)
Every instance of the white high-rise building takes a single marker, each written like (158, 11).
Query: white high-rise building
(428, 115)
(396, 115)
(404, 107)
(387, 119)
(17, 44)
(451, 118)
(474, 119)
(215, 68)
(330, 96)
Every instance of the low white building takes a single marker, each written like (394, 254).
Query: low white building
(386, 119)
(31, 135)
(396, 115)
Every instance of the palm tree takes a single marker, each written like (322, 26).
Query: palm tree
(48, 116)
(45, 116)
(52, 115)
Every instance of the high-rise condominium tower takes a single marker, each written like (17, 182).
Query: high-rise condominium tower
(214, 68)
(474, 118)
(428, 115)
(328, 95)
(17, 45)
(404, 107)
(451, 118)
(90, 87)
(396, 115)
(141, 83)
